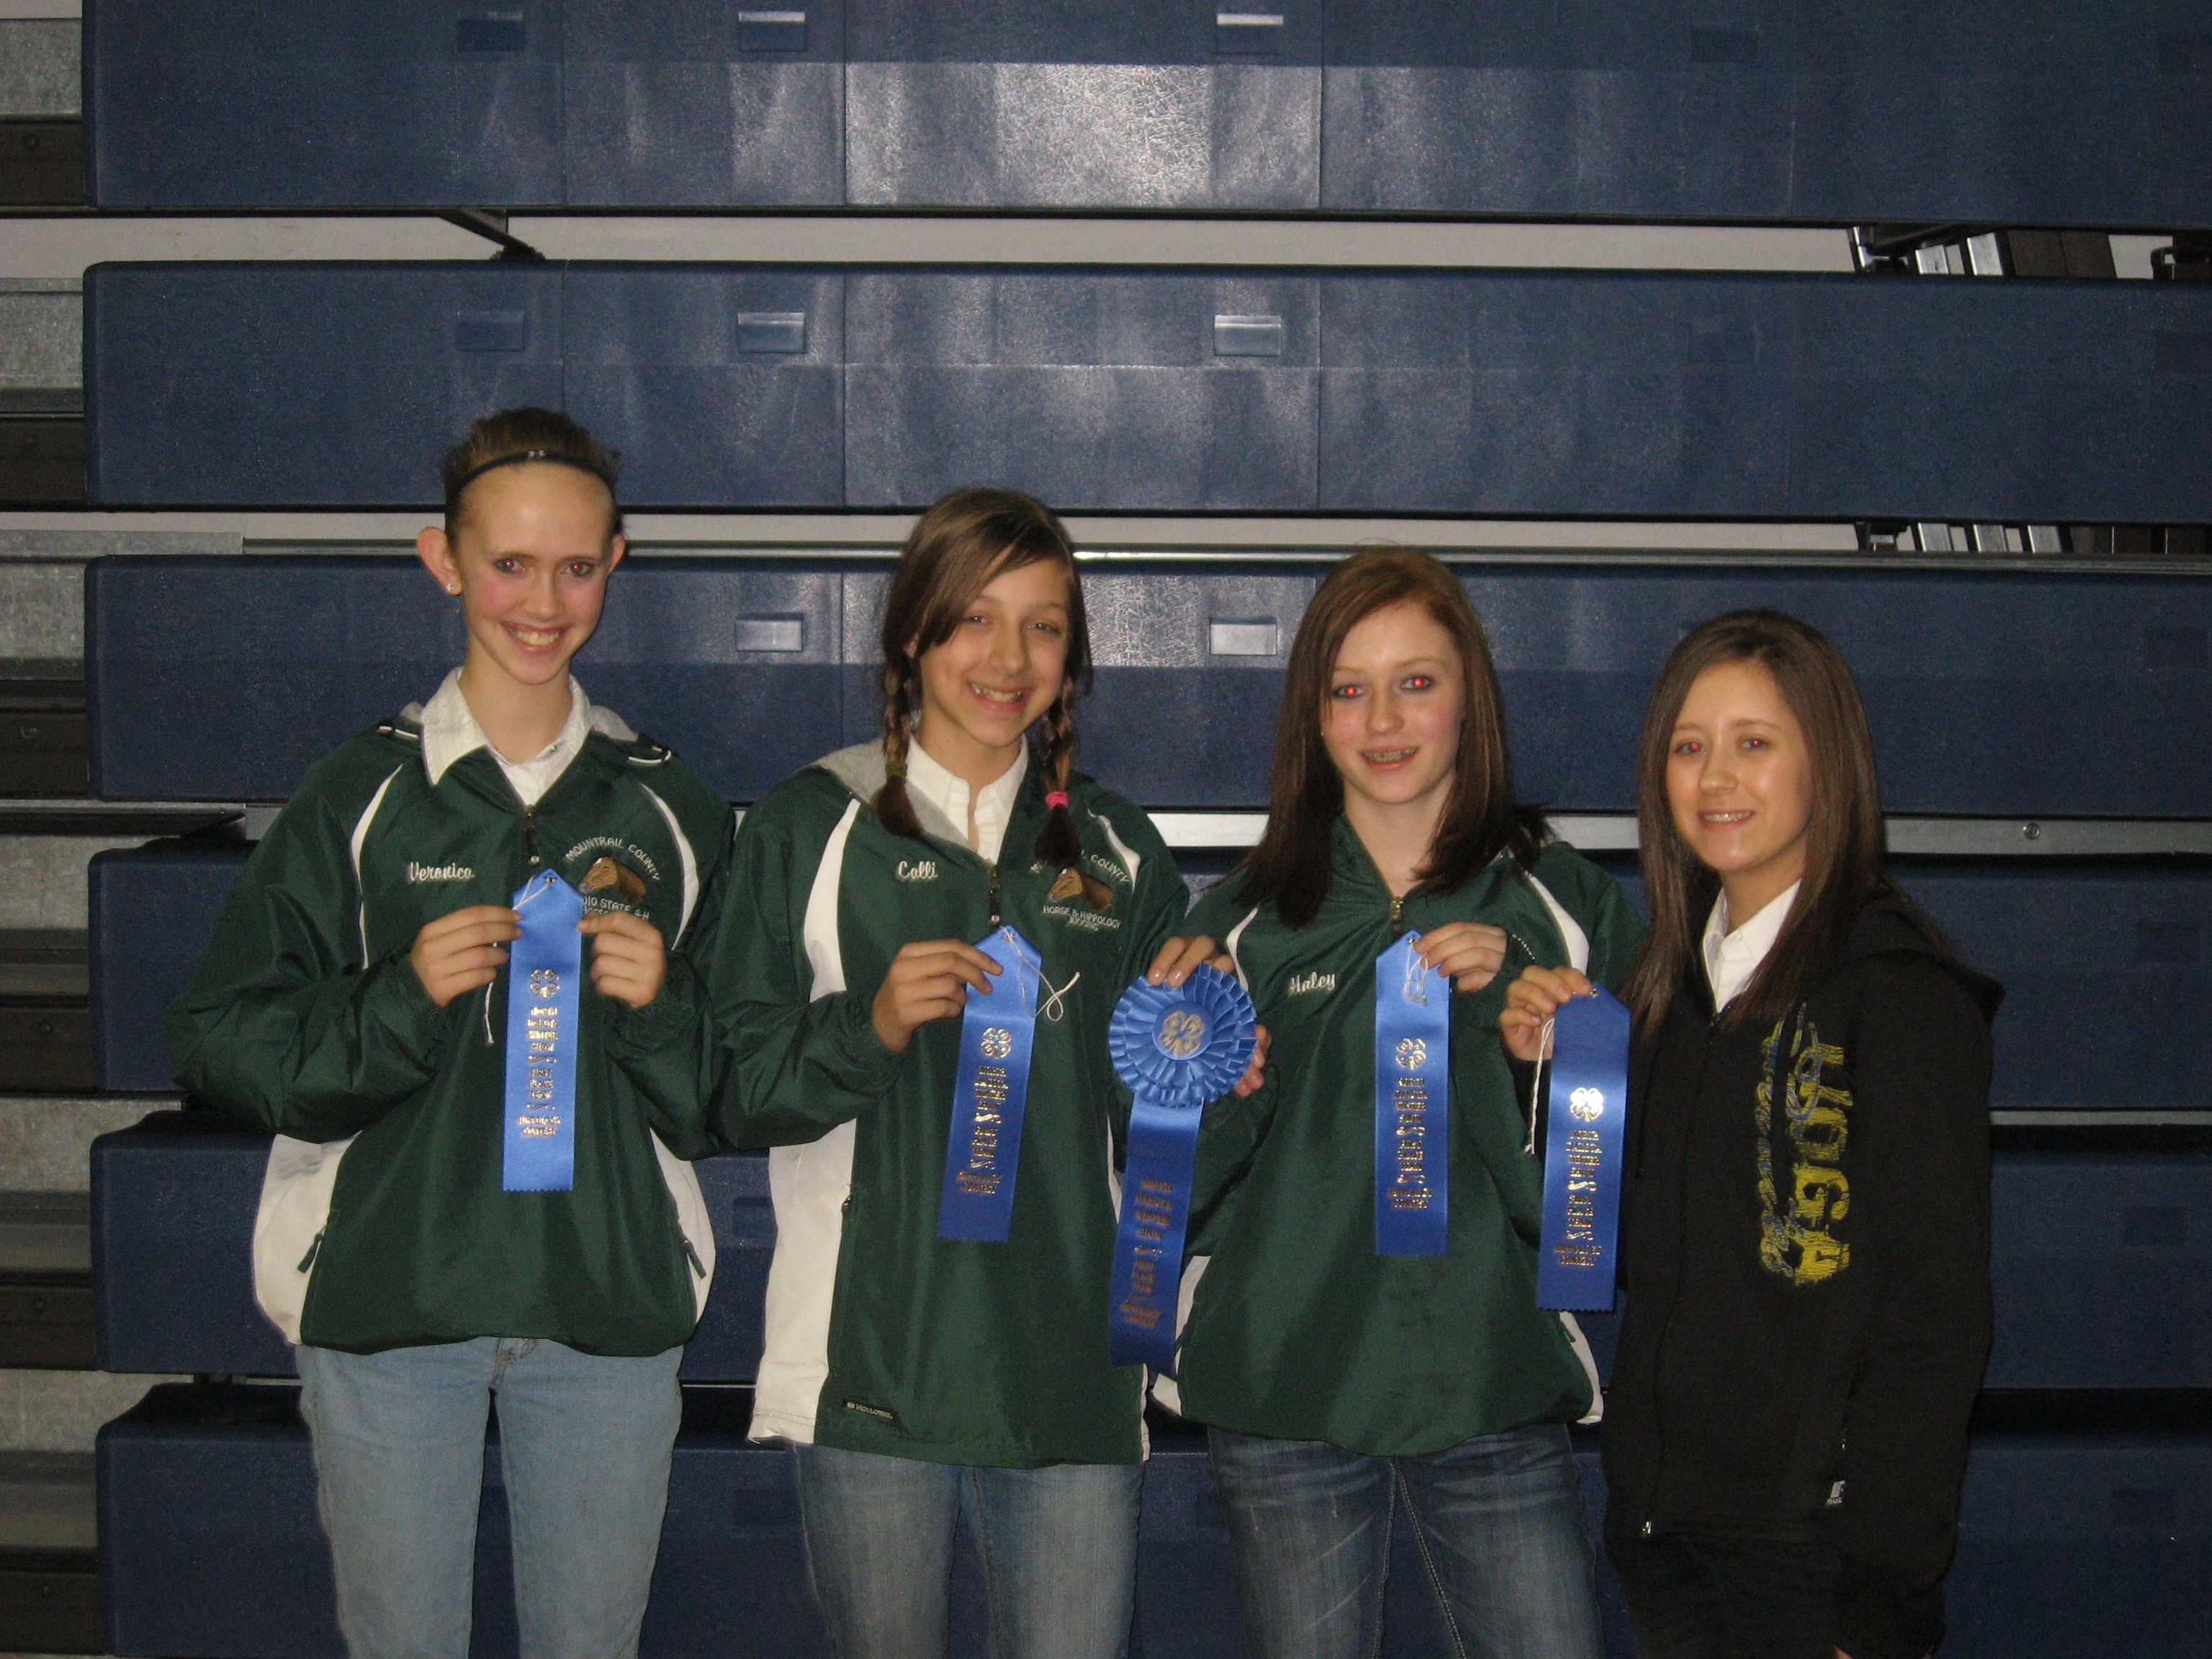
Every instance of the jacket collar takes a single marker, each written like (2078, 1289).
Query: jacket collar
(449, 729)
(860, 770)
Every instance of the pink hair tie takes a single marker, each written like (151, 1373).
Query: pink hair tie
(1055, 798)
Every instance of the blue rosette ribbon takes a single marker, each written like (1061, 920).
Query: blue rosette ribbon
(1176, 1050)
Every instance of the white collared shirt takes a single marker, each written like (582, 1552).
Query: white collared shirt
(450, 731)
(994, 802)
(1731, 958)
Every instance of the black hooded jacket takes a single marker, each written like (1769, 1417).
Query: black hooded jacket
(1805, 1251)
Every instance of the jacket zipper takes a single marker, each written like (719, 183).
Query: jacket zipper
(1674, 1294)
(1397, 903)
(698, 1267)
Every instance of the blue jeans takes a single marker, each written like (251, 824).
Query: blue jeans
(585, 1443)
(1058, 1547)
(1498, 1519)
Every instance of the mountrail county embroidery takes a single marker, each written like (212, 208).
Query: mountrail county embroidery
(1796, 1238)
(629, 887)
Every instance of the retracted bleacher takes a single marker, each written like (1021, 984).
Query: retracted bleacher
(2034, 111)
(223, 678)
(2100, 1256)
(1534, 393)
(2019, 711)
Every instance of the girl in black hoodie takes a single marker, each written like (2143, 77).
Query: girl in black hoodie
(1805, 1225)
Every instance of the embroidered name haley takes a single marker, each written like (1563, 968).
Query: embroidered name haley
(1301, 983)
(440, 872)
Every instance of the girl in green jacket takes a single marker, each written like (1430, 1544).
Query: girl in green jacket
(433, 1237)
(927, 1374)
(1329, 1375)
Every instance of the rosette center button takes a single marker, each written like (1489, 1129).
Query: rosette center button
(1182, 1034)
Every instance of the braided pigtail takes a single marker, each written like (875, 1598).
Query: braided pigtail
(1057, 845)
(894, 810)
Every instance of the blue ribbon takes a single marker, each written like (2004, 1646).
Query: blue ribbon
(998, 1033)
(1176, 1050)
(1413, 1104)
(545, 1000)
(1585, 1131)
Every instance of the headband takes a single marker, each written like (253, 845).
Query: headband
(453, 493)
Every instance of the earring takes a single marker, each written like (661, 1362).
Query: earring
(455, 589)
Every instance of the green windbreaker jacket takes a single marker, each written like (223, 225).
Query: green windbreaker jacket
(382, 1222)
(1298, 1330)
(882, 1337)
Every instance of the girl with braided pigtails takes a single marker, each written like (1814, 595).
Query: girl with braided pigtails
(926, 1381)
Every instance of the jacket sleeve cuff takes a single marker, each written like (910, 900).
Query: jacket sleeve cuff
(636, 1033)
(856, 1054)
(393, 1000)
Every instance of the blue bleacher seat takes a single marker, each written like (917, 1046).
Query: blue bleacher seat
(1634, 394)
(2070, 1542)
(733, 664)
(2100, 966)
(2104, 969)
(717, 384)
(174, 1203)
(2102, 1263)
(2087, 1544)
(181, 1559)
(152, 911)
(703, 105)
(1996, 693)
(1640, 394)
(1114, 103)
(1090, 389)
(306, 385)
(173, 1200)
(357, 103)
(1989, 693)
(1190, 666)
(2099, 1262)
(2034, 112)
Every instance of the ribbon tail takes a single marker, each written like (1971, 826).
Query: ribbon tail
(1584, 1140)
(544, 1007)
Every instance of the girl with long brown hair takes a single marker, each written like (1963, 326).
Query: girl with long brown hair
(1805, 1235)
(928, 1376)
(1334, 1356)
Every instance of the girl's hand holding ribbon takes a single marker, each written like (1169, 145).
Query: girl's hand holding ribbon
(1470, 952)
(462, 949)
(629, 958)
(1172, 966)
(1531, 1002)
(929, 979)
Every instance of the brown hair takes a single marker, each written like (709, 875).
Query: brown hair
(956, 548)
(1844, 843)
(515, 435)
(1481, 818)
